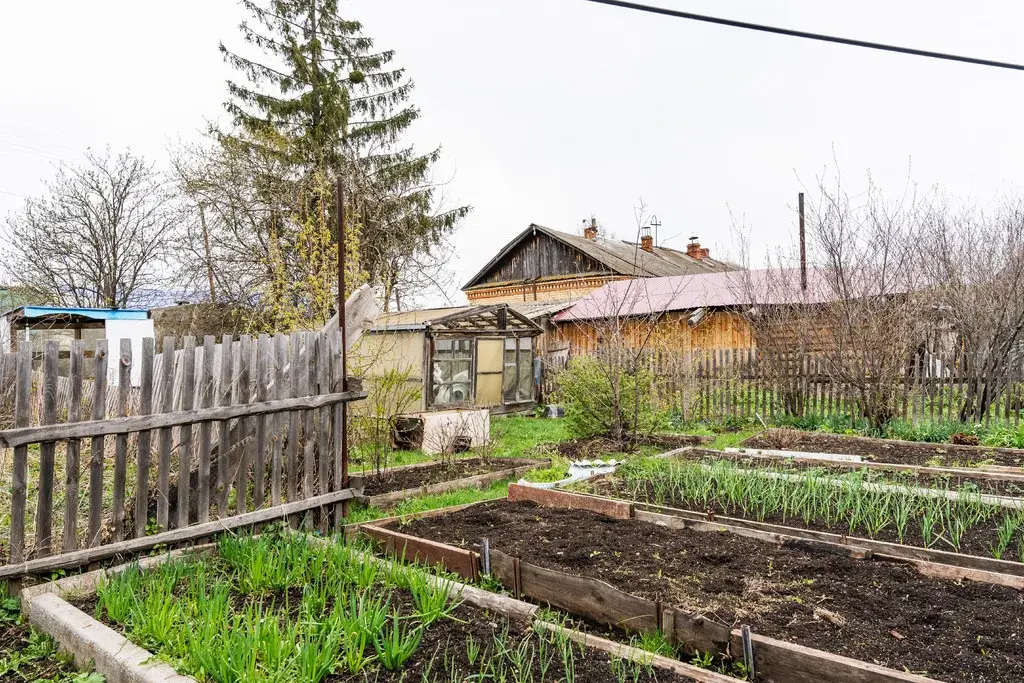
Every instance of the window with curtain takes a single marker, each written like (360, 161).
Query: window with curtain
(517, 380)
(451, 369)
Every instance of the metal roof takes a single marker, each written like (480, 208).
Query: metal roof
(39, 312)
(539, 309)
(688, 292)
(619, 256)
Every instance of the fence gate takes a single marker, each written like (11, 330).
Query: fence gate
(215, 436)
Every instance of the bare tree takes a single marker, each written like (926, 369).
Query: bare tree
(609, 389)
(975, 267)
(100, 236)
(869, 319)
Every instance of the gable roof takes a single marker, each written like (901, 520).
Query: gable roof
(618, 256)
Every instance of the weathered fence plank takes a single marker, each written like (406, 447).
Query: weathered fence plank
(208, 390)
(163, 500)
(145, 438)
(188, 378)
(73, 452)
(97, 446)
(124, 389)
(47, 452)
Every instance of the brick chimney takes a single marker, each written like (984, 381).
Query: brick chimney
(590, 231)
(694, 250)
(646, 241)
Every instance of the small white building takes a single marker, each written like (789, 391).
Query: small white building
(35, 325)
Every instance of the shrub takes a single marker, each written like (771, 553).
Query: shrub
(612, 402)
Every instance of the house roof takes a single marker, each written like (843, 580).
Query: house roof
(618, 256)
(44, 312)
(648, 296)
(496, 317)
(538, 309)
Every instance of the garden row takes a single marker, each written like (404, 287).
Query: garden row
(818, 610)
(284, 606)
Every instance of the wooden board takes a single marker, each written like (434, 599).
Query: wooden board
(479, 481)
(616, 509)
(411, 548)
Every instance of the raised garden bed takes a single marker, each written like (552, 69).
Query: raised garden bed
(886, 450)
(817, 596)
(596, 447)
(399, 483)
(291, 608)
(989, 482)
(28, 655)
(806, 500)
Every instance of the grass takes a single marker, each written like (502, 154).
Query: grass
(518, 437)
(280, 607)
(29, 655)
(363, 513)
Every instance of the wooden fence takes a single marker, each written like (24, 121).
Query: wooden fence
(217, 436)
(722, 384)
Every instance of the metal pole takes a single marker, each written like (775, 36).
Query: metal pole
(341, 326)
(803, 248)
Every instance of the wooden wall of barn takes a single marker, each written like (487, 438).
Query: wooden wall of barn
(539, 257)
(718, 330)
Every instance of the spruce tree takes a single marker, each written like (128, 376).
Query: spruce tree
(322, 98)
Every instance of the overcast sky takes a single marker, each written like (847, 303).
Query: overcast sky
(549, 111)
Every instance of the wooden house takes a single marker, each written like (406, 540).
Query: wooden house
(465, 357)
(541, 265)
(682, 314)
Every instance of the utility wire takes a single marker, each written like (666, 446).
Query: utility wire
(805, 34)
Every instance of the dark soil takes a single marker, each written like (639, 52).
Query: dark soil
(996, 487)
(414, 477)
(976, 540)
(29, 664)
(597, 447)
(871, 610)
(883, 450)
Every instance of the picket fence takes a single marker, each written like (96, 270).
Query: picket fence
(217, 436)
(754, 384)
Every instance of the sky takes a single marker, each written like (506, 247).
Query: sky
(550, 111)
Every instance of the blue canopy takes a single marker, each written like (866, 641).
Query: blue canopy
(91, 313)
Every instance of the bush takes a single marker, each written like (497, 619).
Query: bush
(594, 408)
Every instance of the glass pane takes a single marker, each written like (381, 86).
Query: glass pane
(460, 371)
(442, 371)
(463, 348)
(442, 393)
(526, 343)
(525, 376)
(443, 348)
(460, 393)
(510, 344)
(508, 383)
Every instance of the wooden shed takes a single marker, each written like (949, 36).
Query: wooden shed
(470, 356)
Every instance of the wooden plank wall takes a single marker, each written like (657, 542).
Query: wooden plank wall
(128, 485)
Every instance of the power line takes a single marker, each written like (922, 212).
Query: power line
(806, 34)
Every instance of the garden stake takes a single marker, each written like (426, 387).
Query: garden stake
(485, 547)
(748, 651)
